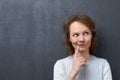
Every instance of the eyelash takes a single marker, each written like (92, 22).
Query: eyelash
(75, 35)
(85, 34)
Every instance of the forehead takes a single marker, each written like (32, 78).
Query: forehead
(78, 27)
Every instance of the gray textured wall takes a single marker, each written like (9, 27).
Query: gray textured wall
(31, 36)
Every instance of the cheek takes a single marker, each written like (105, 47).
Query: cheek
(88, 42)
(73, 42)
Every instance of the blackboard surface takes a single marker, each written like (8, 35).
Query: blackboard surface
(31, 36)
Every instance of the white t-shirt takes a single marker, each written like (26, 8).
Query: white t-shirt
(95, 69)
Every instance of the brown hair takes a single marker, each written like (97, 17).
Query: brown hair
(87, 21)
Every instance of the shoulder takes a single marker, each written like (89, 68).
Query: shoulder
(62, 63)
(100, 62)
(62, 67)
(105, 66)
(64, 60)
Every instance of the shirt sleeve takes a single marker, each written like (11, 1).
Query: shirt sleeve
(107, 75)
(59, 73)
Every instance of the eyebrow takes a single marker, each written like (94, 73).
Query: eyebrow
(82, 31)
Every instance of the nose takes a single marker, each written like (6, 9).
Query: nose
(81, 39)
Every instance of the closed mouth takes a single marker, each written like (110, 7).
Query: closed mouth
(81, 45)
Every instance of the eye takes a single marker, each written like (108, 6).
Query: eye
(75, 35)
(86, 33)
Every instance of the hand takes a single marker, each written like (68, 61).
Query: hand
(78, 62)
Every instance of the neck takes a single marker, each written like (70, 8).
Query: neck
(87, 56)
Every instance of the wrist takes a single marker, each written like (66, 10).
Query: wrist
(71, 76)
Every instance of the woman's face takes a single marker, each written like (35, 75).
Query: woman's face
(80, 36)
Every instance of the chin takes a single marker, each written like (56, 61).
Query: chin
(82, 49)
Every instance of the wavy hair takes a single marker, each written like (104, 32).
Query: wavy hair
(87, 21)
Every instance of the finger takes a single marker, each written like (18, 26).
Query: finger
(76, 53)
(81, 58)
(82, 61)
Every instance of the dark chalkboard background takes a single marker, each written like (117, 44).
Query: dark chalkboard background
(31, 36)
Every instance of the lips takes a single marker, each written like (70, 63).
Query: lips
(81, 45)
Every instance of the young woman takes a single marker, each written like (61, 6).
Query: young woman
(81, 64)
